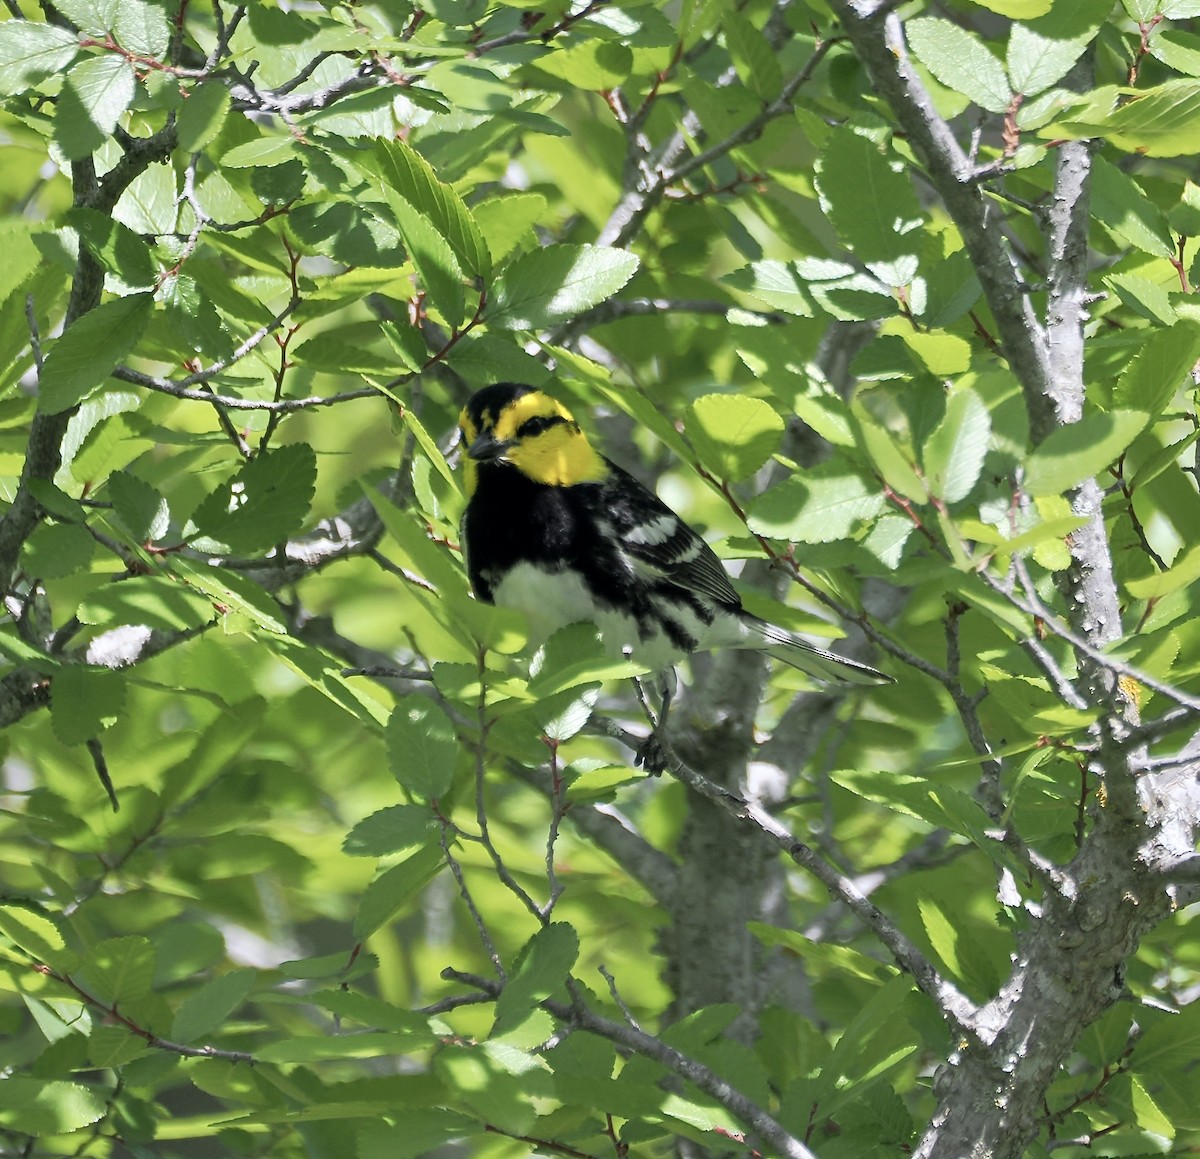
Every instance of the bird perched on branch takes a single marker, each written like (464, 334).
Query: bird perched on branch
(557, 531)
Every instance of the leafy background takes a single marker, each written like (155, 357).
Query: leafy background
(898, 309)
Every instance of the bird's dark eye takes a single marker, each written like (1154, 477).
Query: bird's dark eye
(534, 426)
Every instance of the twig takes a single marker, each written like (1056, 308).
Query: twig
(35, 342)
(147, 1036)
(97, 753)
(166, 386)
(463, 892)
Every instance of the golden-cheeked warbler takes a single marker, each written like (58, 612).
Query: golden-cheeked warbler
(557, 531)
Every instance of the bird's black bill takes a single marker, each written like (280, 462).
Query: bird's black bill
(487, 447)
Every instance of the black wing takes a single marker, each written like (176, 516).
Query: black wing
(660, 545)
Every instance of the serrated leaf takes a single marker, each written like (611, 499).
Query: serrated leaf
(955, 452)
(422, 748)
(542, 969)
(1071, 454)
(1157, 122)
(374, 1012)
(776, 283)
(871, 205)
(1120, 205)
(97, 92)
(1035, 62)
(84, 702)
(141, 27)
(733, 434)
(594, 65)
(1177, 49)
(82, 359)
(37, 1107)
(390, 830)
(942, 934)
(114, 1046)
(264, 503)
(231, 592)
(1160, 368)
(95, 17)
(202, 115)
(1182, 573)
(55, 550)
(408, 173)
(138, 506)
(155, 601)
(436, 264)
(115, 246)
(960, 61)
(756, 64)
(203, 1012)
(394, 888)
(37, 934)
(30, 52)
(556, 283)
(823, 505)
(118, 970)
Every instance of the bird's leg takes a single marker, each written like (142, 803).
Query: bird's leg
(653, 754)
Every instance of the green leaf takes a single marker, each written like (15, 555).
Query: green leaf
(97, 92)
(94, 17)
(84, 702)
(394, 888)
(825, 504)
(1162, 366)
(555, 284)
(871, 205)
(138, 506)
(31, 52)
(37, 934)
(203, 1012)
(390, 830)
(231, 592)
(22, 258)
(55, 550)
(942, 934)
(1182, 573)
(954, 453)
(422, 748)
(1035, 62)
(118, 970)
(408, 174)
(777, 283)
(593, 65)
(960, 61)
(141, 27)
(115, 246)
(541, 970)
(1077, 452)
(152, 600)
(374, 1012)
(756, 63)
(1118, 203)
(1157, 122)
(1177, 49)
(38, 1107)
(1149, 299)
(202, 115)
(733, 434)
(507, 219)
(82, 359)
(264, 503)
(319, 1047)
(425, 1130)
(431, 254)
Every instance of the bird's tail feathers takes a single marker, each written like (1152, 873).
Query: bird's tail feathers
(816, 662)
